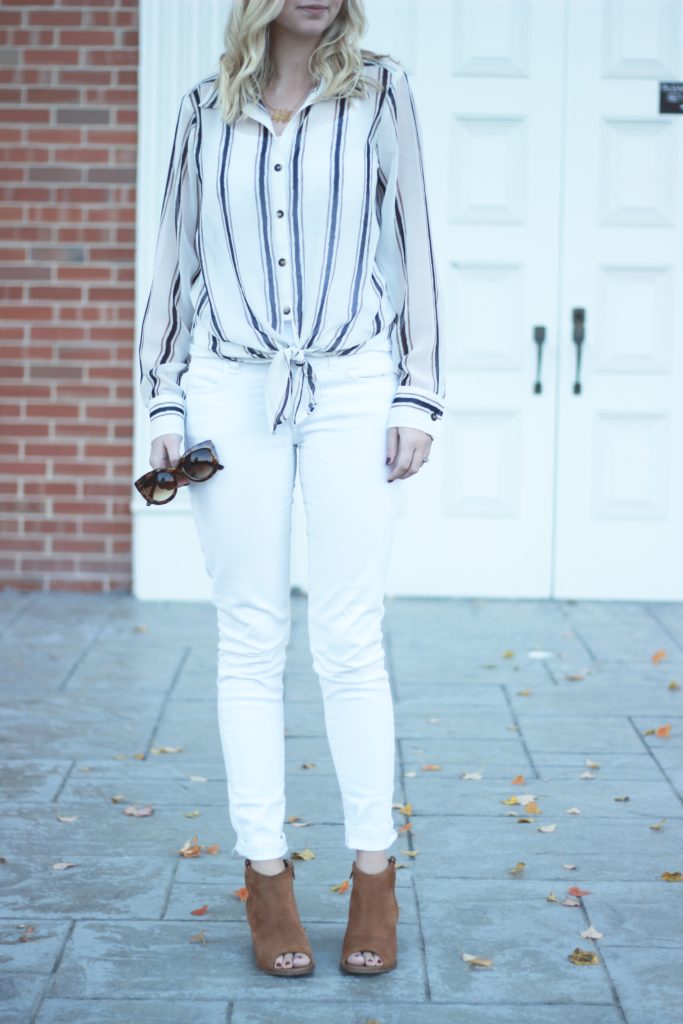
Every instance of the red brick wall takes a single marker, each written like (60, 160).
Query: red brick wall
(68, 114)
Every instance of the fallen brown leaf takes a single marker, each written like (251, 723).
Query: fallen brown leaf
(200, 910)
(477, 961)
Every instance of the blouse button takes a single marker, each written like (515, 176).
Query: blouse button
(278, 167)
(282, 261)
(286, 310)
(435, 416)
(280, 213)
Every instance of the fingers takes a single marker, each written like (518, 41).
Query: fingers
(408, 458)
(165, 452)
(392, 444)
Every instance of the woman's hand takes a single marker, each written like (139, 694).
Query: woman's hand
(406, 447)
(166, 452)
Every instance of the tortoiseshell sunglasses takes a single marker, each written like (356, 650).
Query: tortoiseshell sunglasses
(198, 463)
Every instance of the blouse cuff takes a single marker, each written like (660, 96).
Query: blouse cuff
(166, 418)
(415, 407)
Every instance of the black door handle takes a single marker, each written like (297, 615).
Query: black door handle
(578, 335)
(539, 338)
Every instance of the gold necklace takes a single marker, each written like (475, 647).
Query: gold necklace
(283, 114)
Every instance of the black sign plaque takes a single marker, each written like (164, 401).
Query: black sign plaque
(671, 97)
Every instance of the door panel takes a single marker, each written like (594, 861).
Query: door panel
(619, 513)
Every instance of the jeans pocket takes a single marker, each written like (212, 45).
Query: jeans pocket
(366, 365)
(207, 374)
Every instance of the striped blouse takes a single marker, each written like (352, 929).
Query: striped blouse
(326, 226)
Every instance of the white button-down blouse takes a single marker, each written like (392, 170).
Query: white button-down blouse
(325, 226)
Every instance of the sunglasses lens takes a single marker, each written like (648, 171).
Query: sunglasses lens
(163, 487)
(199, 465)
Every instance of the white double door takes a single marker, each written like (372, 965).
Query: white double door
(556, 191)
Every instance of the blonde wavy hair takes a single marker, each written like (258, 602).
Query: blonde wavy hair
(245, 68)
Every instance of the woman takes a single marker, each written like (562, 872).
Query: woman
(294, 275)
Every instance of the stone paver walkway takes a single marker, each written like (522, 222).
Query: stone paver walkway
(92, 686)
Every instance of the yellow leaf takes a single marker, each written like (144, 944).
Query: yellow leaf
(165, 750)
(583, 956)
(192, 814)
(340, 887)
(519, 866)
(673, 685)
(531, 807)
(118, 798)
(511, 800)
(508, 654)
(551, 897)
(305, 854)
(406, 809)
(524, 693)
(592, 764)
(410, 853)
(658, 656)
(658, 824)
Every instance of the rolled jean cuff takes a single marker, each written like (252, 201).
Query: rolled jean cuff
(265, 853)
(359, 839)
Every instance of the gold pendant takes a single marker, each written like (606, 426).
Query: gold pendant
(281, 116)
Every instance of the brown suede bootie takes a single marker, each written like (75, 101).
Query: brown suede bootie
(274, 920)
(373, 916)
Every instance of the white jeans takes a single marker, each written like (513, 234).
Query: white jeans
(243, 521)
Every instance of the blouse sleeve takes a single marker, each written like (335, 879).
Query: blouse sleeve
(406, 258)
(167, 321)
